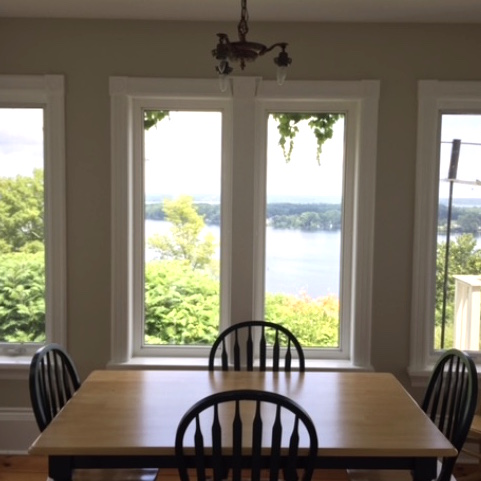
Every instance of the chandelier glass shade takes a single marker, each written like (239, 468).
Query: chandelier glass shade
(244, 51)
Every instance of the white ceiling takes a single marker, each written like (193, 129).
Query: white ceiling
(450, 11)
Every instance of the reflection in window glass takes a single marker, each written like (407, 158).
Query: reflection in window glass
(304, 231)
(22, 253)
(182, 179)
(458, 259)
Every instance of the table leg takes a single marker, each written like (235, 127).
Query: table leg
(60, 468)
(424, 469)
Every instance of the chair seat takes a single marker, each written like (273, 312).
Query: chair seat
(114, 475)
(385, 474)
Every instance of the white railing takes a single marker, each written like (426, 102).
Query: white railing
(467, 311)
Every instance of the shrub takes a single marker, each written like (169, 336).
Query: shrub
(22, 297)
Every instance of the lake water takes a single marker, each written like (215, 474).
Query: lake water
(297, 261)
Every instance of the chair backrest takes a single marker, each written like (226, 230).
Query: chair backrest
(450, 401)
(284, 344)
(53, 380)
(233, 432)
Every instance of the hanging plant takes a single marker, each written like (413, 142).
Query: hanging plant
(287, 125)
(153, 117)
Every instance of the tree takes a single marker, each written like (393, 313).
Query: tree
(22, 264)
(185, 241)
(470, 221)
(309, 221)
(21, 213)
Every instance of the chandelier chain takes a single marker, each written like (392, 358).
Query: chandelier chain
(243, 28)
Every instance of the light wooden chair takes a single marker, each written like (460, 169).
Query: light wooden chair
(450, 402)
(53, 380)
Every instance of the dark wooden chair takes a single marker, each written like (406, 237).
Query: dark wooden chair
(53, 380)
(226, 435)
(256, 337)
(450, 401)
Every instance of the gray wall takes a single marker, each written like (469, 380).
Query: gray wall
(88, 52)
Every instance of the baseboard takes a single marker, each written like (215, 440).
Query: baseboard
(18, 430)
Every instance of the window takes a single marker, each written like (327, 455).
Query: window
(182, 186)
(32, 203)
(303, 227)
(447, 262)
(226, 183)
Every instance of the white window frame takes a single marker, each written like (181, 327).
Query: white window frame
(245, 106)
(47, 92)
(435, 98)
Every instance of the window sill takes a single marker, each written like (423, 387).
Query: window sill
(14, 367)
(17, 367)
(420, 377)
(201, 363)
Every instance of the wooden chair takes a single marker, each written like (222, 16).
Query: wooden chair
(258, 335)
(53, 380)
(227, 433)
(450, 402)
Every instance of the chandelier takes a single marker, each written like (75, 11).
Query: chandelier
(244, 51)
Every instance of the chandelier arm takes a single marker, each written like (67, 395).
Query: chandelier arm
(281, 45)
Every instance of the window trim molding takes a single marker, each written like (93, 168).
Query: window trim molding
(46, 91)
(362, 95)
(434, 98)
(359, 101)
(127, 93)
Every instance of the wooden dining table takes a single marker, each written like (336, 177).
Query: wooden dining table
(129, 418)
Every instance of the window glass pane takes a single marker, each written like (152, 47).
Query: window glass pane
(304, 227)
(182, 179)
(458, 259)
(22, 257)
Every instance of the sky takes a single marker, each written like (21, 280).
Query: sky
(190, 143)
(170, 156)
(21, 141)
(466, 128)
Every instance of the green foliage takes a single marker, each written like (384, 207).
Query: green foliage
(181, 304)
(22, 263)
(153, 117)
(184, 241)
(154, 212)
(308, 221)
(315, 322)
(463, 219)
(182, 308)
(464, 258)
(21, 213)
(288, 126)
(22, 297)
